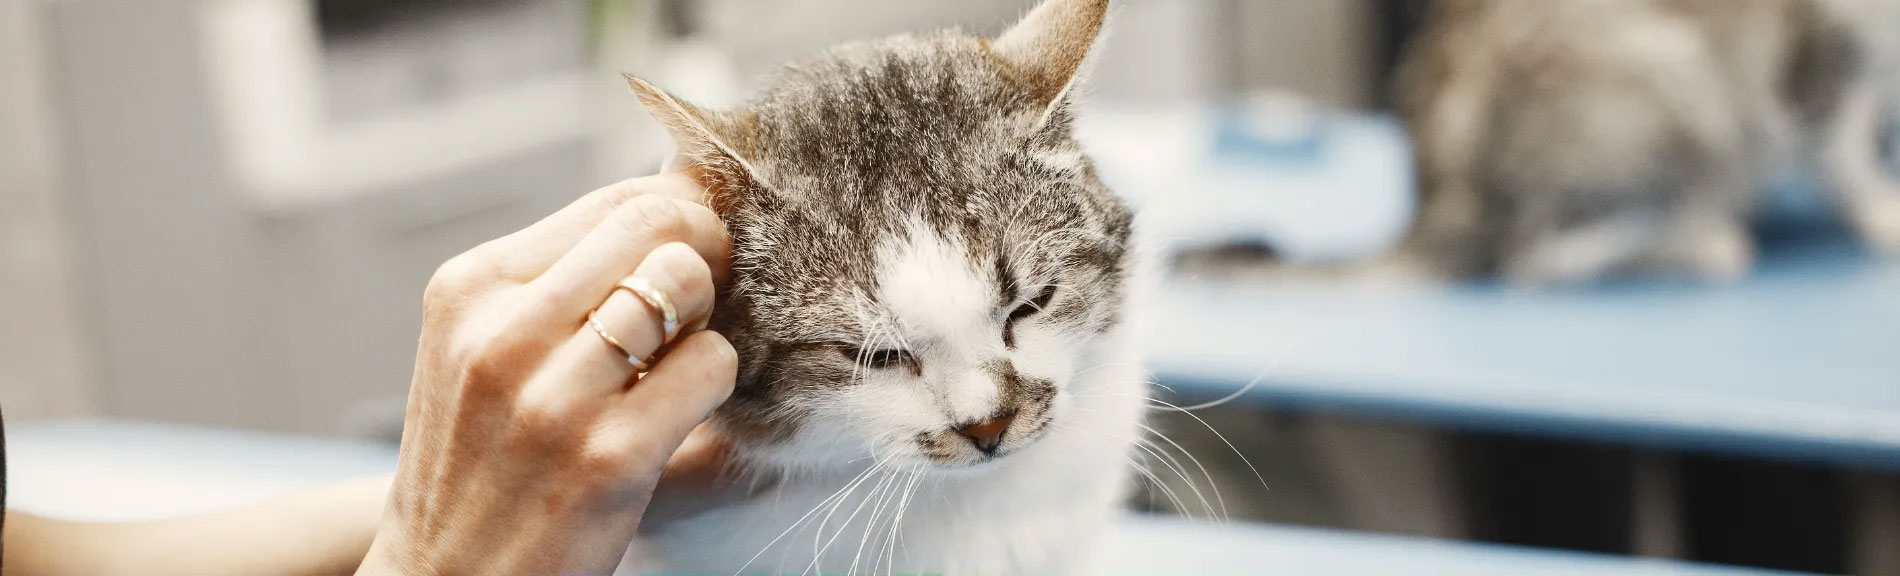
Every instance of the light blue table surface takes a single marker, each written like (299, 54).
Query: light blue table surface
(115, 470)
(1799, 361)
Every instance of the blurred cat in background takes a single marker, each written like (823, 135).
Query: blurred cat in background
(1562, 141)
(928, 304)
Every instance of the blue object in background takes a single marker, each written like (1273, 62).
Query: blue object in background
(1289, 136)
(1314, 185)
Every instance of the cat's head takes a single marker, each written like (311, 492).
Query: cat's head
(922, 253)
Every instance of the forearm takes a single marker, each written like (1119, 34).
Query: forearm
(323, 531)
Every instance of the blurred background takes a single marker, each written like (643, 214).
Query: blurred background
(221, 213)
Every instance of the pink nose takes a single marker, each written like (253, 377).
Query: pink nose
(988, 434)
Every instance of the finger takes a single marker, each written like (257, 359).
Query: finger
(677, 273)
(702, 463)
(582, 278)
(682, 390)
(529, 252)
(702, 475)
(588, 367)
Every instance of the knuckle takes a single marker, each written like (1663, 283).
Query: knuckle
(545, 301)
(653, 217)
(536, 421)
(612, 455)
(455, 280)
(602, 461)
(639, 448)
(618, 193)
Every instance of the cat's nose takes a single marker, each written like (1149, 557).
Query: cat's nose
(988, 434)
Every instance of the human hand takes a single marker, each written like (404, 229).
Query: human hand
(530, 445)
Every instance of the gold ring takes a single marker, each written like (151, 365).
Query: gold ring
(657, 300)
(639, 365)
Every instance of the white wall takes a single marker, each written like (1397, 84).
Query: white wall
(43, 367)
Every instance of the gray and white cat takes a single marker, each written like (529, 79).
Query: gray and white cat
(1565, 140)
(929, 282)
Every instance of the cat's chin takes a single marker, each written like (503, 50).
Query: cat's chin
(773, 462)
(963, 467)
(822, 452)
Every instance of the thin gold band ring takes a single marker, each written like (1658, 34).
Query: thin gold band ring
(655, 300)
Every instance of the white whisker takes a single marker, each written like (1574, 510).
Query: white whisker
(870, 526)
(801, 519)
(1228, 398)
(818, 553)
(1223, 440)
(1175, 467)
(1211, 483)
(1153, 480)
(903, 504)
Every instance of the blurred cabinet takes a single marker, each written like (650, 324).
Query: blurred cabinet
(256, 259)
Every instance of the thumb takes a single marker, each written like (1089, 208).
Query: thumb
(703, 475)
(702, 463)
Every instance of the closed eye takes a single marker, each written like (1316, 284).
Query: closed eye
(1027, 309)
(879, 358)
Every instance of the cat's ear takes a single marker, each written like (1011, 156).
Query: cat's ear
(1049, 47)
(701, 137)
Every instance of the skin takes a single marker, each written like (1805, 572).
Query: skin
(530, 445)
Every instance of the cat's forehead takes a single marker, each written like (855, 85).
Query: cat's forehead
(923, 128)
(931, 108)
(1024, 226)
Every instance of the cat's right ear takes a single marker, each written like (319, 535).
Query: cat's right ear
(700, 138)
(1050, 47)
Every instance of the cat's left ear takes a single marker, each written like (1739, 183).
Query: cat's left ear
(702, 138)
(1048, 49)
